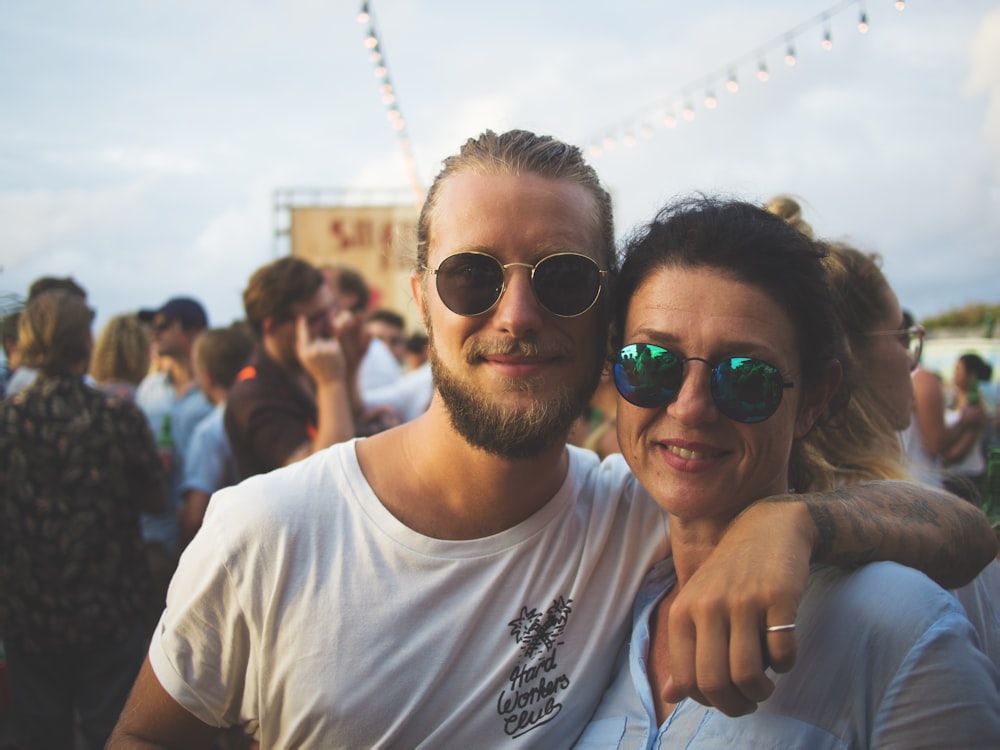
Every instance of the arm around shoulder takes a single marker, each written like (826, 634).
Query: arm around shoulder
(939, 534)
(153, 719)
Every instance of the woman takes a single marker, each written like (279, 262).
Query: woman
(728, 358)
(76, 468)
(966, 419)
(857, 439)
(121, 356)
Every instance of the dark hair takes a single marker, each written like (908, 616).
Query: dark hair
(273, 290)
(389, 317)
(49, 283)
(350, 281)
(748, 244)
(54, 332)
(223, 352)
(977, 367)
(416, 343)
(521, 152)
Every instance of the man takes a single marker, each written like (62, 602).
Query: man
(293, 399)
(465, 579)
(173, 405)
(390, 328)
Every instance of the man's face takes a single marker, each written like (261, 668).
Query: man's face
(514, 378)
(318, 311)
(391, 336)
(169, 337)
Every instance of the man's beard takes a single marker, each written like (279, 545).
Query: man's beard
(513, 431)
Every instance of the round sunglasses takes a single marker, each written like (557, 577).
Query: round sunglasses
(565, 284)
(745, 389)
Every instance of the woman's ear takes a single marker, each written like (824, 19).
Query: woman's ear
(817, 398)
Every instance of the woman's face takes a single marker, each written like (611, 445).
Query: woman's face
(960, 377)
(885, 366)
(696, 462)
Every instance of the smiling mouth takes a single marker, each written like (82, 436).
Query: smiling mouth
(690, 454)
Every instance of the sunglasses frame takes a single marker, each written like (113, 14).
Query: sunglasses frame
(917, 332)
(618, 364)
(602, 275)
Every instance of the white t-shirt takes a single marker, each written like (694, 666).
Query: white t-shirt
(305, 610)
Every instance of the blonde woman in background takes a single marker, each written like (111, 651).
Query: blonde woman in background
(121, 356)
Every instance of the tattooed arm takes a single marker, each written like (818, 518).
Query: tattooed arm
(718, 646)
(933, 531)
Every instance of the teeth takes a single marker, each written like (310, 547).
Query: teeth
(685, 453)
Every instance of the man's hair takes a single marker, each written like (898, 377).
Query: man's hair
(521, 152)
(54, 332)
(350, 281)
(121, 352)
(49, 283)
(223, 352)
(389, 317)
(275, 288)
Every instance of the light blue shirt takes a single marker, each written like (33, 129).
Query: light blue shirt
(886, 658)
(157, 398)
(208, 460)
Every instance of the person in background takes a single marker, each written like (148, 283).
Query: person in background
(218, 356)
(11, 352)
(856, 439)
(173, 405)
(76, 468)
(390, 328)
(416, 351)
(511, 559)
(121, 356)
(923, 440)
(24, 376)
(715, 400)
(297, 396)
(966, 418)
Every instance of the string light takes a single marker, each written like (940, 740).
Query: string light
(900, 5)
(827, 42)
(393, 114)
(663, 113)
(790, 56)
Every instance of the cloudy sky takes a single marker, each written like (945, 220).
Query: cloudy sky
(141, 142)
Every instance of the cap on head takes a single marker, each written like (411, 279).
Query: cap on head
(189, 311)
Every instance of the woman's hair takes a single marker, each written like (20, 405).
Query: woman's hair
(752, 246)
(223, 352)
(787, 208)
(54, 333)
(977, 367)
(121, 352)
(853, 440)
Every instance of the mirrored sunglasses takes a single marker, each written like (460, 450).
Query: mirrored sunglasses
(744, 389)
(565, 284)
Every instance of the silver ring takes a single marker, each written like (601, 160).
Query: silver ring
(781, 628)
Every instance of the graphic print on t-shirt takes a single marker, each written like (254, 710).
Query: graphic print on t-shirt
(536, 681)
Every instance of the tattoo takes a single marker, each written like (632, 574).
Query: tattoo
(908, 523)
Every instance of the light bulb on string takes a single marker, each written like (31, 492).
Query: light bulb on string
(376, 55)
(646, 130)
(732, 84)
(388, 99)
(371, 41)
(610, 143)
(688, 112)
(380, 71)
(863, 23)
(629, 140)
(670, 120)
(827, 42)
(710, 101)
(790, 56)
(900, 5)
(762, 74)
(363, 15)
